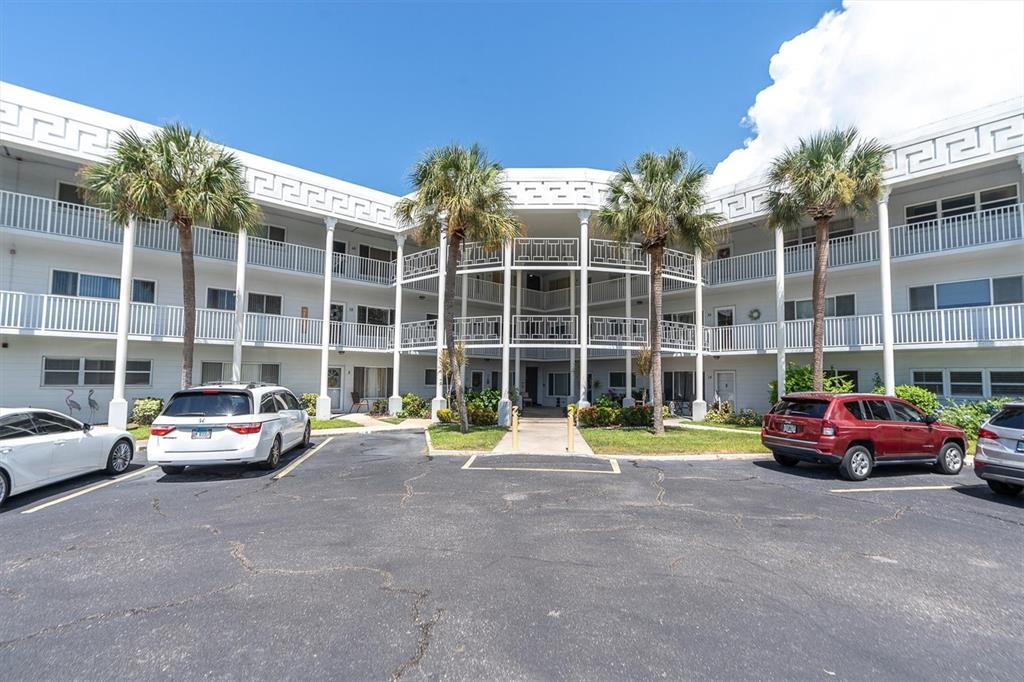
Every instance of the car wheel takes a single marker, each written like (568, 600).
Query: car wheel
(172, 470)
(857, 464)
(951, 459)
(785, 460)
(1004, 488)
(5, 487)
(305, 436)
(274, 457)
(119, 458)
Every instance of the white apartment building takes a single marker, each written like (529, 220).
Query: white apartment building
(927, 290)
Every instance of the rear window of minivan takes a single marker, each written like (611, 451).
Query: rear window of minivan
(798, 407)
(208, 404)
(1009, 418)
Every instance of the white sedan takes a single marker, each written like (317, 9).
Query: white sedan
(39, 447)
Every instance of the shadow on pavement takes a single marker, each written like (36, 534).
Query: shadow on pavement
(982, 492)
(65, 487)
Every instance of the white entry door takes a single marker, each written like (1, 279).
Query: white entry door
(725, 386)
(335, 384)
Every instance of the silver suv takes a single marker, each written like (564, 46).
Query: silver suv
(999, 457)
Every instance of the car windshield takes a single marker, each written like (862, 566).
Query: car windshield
(208, 404)
(797, 407)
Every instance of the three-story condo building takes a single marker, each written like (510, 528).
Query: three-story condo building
(332, 297)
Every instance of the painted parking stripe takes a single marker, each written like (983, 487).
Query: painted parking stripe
(895, 489)
(291, 467)
(90, 489)
(614, 468)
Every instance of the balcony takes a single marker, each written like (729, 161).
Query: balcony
(607, 254)
(545, 253)
(74, 316)
(618, 331)
(544, 329)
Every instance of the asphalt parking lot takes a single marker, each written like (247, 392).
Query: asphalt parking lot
(370, 560)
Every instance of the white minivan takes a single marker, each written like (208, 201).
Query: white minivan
(227, 424)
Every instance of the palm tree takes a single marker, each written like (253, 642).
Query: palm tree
(828, 172)
(660, 199)
(461, 191)
(178, 175)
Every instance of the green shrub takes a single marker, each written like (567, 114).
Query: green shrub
(480, 415)
(746, 418)
(801, 378)
(915, 395)
(145, 410)
(447, 416)
(308, 402)
(606, 400)
(379, 407)
(970, 415)
(413, 407)
(484, 399)
(719, 412)
(602, 415)
(638, 415)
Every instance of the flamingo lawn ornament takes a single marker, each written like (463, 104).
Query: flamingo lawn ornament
(93, 405)
(72, 404)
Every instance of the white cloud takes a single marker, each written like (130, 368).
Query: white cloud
(886, 67)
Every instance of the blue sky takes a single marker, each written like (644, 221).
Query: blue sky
(359, 91)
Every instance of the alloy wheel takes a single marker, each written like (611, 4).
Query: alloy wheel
(860, 463)
(121, 457)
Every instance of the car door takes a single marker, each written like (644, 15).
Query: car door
(26, 455)
(885, 434)
(916, 438)
(289, 411)
(74, 451)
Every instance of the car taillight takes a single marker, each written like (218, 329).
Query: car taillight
(160, 430)
(247, 428)
(985, 433)
(828, 428)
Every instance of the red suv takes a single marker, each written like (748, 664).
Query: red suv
(858, 431)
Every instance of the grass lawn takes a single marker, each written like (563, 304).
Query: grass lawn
(447, 437)
(333, 424)
(678, 440)
(140, 433)
(391, 420)
(752, 429)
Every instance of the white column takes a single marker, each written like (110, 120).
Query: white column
(700, 406)
(395, 399)
(628, 400)
(439, 403)
(117, 411)
(519, 367)
(323, 401)
(572, 351)
(780, 310)
(465, 304)
(236, 349)
(584, 333)
(888, 356)
(505, 405)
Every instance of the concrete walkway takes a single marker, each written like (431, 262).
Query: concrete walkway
(368, 424)
(543, 437)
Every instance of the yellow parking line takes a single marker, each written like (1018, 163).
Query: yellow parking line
(90, 489)
(291, 467)
(883, 490)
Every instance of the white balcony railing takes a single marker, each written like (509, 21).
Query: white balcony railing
(546, 251)
(628, 255)
(484, 329)
(362, 269)
(477, 255)
(419, 334)
(363, 336)
(678, 264)
(678, 335)
(544, 328)
(419, 264)
(618, 330)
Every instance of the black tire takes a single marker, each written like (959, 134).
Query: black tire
(273, 457)
(785, 460)
(1004, 488)
(172, 469)
(5, 488)
(120, 457)
(306, 436)
(951, 459)
(857, 464)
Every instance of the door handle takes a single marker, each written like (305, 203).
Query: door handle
(5, 451)
(59, 442)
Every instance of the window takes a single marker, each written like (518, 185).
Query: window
(855, 409)
(290, 402)
(268, 304)
(252, 372)
(369, 315)
(920, 213)
(1000, 196)
(876, 410)
(1007, 383)
(375, 253)
(1008, 290)
(836, 229)
(558, 383)
(207, 403)
(930, 379)
(1007, 418)
(617, 380)
(962, 205)
(48, 422)
(963, 294)
(966, 383)
(686, 317)
(430, 377)
(68, 283)
(220, 299)
(269, 404)
(16, 426)
(274, 234)
(798, 407)
(372, 382)
(70, 194)
(835, 306)
(905, 413)
(922, 298)
(93, 372)
(339, 247)
(967, 294)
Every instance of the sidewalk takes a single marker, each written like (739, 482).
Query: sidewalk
(368, 424)
(543, 437)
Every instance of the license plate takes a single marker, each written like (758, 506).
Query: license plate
(789, 428)
(201, 433)
(1020, 446)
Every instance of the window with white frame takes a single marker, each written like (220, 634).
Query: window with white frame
(93, 372)
(70, 283)
(967, 382)
(842, 305)
(70, 194)
(430, 377)
(268, 304)
(370, 315)
(617, 380)
(271, 232)
(836, 229)
(968, 293)
(1006, 383)
(220, 299)
(961, 205)
(376, 253)
(930, 379)
(971, 383)
(558, 383)
(252, 372)
(371, 382)
(685, 317)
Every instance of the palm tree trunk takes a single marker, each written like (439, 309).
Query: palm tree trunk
(188, 292)
(657, 396)
(451, 279)
(818, 300)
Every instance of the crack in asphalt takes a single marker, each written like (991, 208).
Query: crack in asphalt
(659, 478)
(408, 489)
(426, 630)
(156, 507)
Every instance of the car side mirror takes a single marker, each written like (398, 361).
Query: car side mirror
(86, 427)
(930, 419)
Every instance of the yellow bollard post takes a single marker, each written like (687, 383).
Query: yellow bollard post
(570, 434)
(515, 428)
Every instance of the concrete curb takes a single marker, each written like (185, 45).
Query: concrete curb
(432, 451)
(363, 430)
(721, 457)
